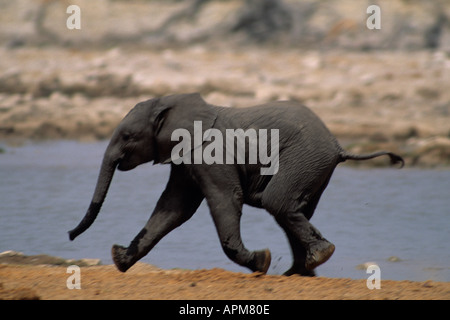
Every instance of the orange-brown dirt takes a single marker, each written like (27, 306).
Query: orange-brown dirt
(144, 281)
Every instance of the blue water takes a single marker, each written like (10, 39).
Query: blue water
(369, 214)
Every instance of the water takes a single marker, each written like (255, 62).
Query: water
(369, 214)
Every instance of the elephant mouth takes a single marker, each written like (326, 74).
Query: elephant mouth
(128, 162)
(125, 165)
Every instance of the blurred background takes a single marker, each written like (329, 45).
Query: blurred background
(375, 89)
(388, 86)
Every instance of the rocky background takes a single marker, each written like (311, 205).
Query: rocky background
(375, 89)
(406, 24)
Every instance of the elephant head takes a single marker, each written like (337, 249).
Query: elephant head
(145, 135)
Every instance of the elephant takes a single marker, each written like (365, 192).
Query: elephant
(307, 156)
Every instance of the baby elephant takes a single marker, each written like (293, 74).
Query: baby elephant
(222, 154)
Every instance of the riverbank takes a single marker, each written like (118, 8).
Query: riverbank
(377, 100)
(143, 281)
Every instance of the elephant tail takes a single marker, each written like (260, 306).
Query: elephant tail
(394, 157)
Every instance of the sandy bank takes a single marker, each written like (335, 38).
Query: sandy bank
(144, 281)
(45, 277)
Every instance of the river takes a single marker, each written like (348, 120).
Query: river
(396, 218)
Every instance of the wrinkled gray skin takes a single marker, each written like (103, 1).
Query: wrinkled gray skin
(308, 154)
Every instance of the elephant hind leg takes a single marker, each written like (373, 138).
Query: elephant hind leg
(299, 255)
(309, 248)
(292, 202)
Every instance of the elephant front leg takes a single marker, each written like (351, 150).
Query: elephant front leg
(226, 217)
(221, 186)
(160, 223)
(177, 204)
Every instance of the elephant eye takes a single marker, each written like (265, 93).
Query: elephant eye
(126, 136)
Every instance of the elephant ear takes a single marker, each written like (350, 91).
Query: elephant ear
(179, 112)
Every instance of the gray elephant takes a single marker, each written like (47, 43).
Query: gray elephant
(306, 156)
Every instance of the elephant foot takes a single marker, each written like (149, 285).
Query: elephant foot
(120, 258)
(302, 271)
(262, 261)
(319, 252)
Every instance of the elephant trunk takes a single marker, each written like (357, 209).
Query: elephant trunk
(104, 180)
